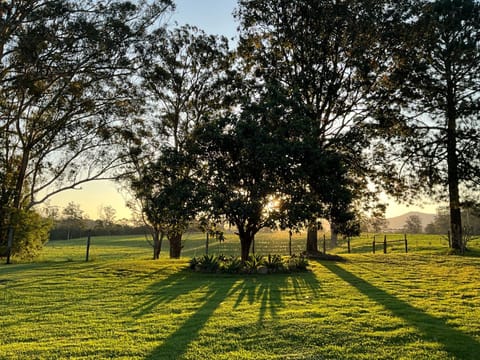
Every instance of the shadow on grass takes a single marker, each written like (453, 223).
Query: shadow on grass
(266, 292)
(454, 342)
(176, 344)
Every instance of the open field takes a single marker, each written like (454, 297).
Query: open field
(137, 247)
(421, 305)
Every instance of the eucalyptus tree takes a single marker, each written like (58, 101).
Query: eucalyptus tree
(322, 55)
(183, 76)
(64, 85)
(429, 101)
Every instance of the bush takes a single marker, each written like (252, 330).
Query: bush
(31, 232)
(274, 263)
(297, 263)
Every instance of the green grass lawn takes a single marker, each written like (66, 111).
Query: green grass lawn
(122, 305)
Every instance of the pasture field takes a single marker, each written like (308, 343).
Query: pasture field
(122, 305)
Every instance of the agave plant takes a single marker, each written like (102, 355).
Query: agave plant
(274, 263)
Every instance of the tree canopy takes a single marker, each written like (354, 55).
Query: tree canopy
(429, 99)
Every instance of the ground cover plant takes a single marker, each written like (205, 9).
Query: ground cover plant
(397, 306)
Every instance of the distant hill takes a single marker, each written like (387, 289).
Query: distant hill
(398, 222)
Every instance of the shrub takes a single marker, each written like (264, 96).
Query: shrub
(31, 232)
(208, 263)
(232, 265)
(253, 263)
(274, 263)
(297, 263)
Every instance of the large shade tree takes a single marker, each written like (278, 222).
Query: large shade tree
(429, 100)
(321, 54)
(183, 78)
(243, 173)
(64, 84)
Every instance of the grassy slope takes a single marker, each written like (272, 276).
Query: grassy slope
(124, 306)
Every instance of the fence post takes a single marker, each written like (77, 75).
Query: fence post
(373, 244)
(88, 245)
(385, 244)
(290, 242)
(324, 244)
(348, 243)
(406, 244)
(206, 243)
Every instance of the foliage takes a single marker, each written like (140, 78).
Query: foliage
(413, 225)
(428, 102)
(297, 263)
(182, 75)
(313, 60)
(32, 232)
(274, 263)
(66, 81)
(244, 170)
(255, 264)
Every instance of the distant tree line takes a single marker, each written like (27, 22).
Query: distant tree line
(71, 223)
(320, 107)
(441, 222)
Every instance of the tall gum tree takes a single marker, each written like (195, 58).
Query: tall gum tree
(182, 77)
(66, 67)
(429, 99)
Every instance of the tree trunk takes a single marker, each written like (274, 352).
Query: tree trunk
(157, 243)
(312, 238)
(175, 240)
(452, 164)
(17, 200)
(246, 241)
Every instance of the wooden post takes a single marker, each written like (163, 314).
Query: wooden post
(206, 243)
(290, 242)
(88, 245)
(406, 244)
(373, 244)
(385, 244)
(348, 243)
(324, 244)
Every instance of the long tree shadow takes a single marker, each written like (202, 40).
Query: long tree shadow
(176, 344)
(268, 291)
(455, 342)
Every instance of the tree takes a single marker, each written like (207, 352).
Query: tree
(107, 216)
(413, 225)
(65, 81)
(428, 104)
(73, 215)
(243, 173)
(318, 56)
(171, 196)
(182, 77)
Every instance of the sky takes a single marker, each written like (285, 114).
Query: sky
(214, 17)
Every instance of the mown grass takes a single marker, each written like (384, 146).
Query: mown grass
(122, 305)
